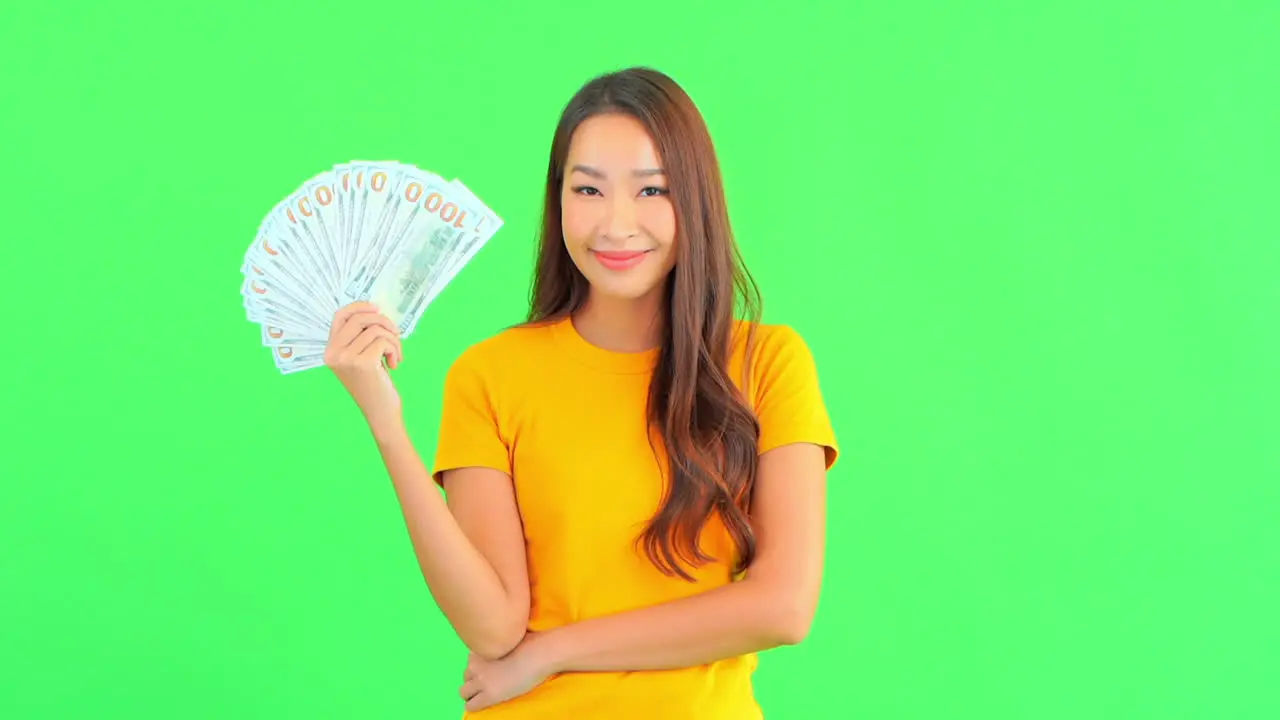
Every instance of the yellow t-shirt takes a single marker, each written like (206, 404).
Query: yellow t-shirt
(566, 420)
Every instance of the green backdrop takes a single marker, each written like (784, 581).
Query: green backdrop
(1034, 247)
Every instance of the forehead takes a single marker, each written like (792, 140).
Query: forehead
(613, 141)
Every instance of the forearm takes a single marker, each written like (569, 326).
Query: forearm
(463, 583)
(737, 619)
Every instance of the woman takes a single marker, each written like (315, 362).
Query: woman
(635, 478)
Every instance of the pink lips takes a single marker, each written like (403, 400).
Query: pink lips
(619, 260)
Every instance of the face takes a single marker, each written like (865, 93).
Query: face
(619, 224)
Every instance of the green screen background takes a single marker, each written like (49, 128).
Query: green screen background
(1033, 246)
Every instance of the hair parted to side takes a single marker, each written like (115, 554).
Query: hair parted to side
(709, 432)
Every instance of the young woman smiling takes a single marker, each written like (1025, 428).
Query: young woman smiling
(635, 476)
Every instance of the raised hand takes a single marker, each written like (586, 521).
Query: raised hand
(363, 345)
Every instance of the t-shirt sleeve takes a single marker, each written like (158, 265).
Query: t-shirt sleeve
(469, 434)
(789, 402)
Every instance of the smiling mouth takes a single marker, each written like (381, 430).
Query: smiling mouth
(620, 260)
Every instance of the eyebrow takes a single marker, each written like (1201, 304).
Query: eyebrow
(593, 172)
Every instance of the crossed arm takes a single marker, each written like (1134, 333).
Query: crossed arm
(476, 570)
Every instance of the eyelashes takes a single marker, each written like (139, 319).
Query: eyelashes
(651, 191)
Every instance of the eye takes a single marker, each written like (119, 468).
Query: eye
(652, 191)
(585, 190)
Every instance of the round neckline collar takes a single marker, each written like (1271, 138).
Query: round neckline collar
(627, 363)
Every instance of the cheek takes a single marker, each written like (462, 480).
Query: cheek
(660, 221)
(576, 223)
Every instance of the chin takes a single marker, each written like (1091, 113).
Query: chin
(622, 291)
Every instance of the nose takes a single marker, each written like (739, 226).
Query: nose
(620, 221)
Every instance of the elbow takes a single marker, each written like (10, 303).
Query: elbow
(794, 629)
(498, 640)
(492, 650)
(792, 620)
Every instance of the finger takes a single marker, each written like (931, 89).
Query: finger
(469, 689)
(356, 324)
(366, 338)
(376, 341)
(358, 351)
(379, 350)
(479, 701)
(394, 354)
(346, 312)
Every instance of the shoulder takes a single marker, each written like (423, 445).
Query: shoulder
(496, 351)
(784, 388)
(500, 358)
(771, 351)
(774, 340)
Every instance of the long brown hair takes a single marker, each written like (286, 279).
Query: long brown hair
(708, 430)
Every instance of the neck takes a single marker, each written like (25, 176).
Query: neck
(621, 325)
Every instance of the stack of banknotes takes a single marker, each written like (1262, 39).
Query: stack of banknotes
(381, 231)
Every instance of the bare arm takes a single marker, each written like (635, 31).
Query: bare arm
(473, 557)
(470, 549)
(773, 605)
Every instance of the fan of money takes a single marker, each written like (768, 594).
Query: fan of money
(383, 232)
